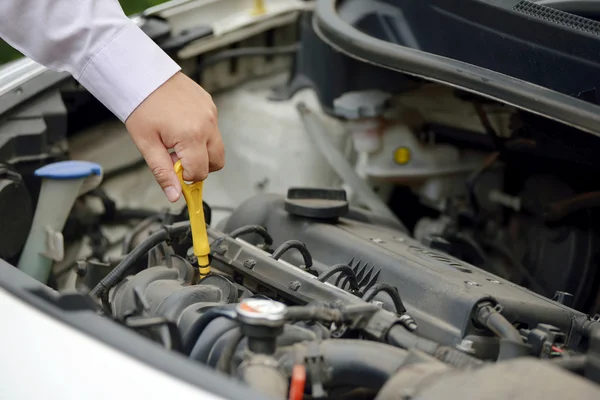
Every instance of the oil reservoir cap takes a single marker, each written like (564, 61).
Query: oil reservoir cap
(316, 203)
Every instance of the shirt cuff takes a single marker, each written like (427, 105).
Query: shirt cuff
(126, 71)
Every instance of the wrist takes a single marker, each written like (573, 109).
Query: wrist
(126, 71)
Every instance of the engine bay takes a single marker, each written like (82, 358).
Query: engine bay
(307, 296)
(382, 230)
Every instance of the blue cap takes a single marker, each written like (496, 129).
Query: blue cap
(69, 170)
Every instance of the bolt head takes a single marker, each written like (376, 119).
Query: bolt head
(222, 249)
(81, 269)
(192, 259)
(294, 285)
(249, 264)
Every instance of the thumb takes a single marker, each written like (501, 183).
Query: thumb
(161, 165)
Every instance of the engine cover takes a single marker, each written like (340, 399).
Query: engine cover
(439, 291)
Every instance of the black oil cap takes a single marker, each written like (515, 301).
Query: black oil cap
(316, 203)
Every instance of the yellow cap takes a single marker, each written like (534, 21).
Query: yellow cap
(193, 197)
(402, 155)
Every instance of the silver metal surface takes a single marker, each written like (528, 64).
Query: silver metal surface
(261, 312)
(23, 79)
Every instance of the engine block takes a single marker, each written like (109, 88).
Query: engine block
(438, 290)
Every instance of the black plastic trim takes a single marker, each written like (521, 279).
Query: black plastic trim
(342, 36)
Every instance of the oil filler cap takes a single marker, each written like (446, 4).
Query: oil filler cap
(316, 203)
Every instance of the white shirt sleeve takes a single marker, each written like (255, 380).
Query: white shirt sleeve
(95, 42)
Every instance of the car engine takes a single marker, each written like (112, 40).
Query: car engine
(307, 296)
(422, 225)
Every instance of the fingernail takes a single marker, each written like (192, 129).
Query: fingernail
(172, 193)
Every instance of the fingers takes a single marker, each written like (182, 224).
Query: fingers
(194, 159)
(198, 161)
(179, 115)
(201, 156)
(206, 159)
(216, 154)
(160, 163)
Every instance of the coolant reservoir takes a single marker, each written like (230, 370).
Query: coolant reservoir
(403, 157)
(62, 183)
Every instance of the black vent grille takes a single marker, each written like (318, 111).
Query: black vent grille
(366, 275)
(558, 17)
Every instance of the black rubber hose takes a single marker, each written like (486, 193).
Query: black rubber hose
(400, 337)
(389, 289)
(554, 212)
(327, 314)
(489, 129)
(313, 313)
(190, 338)
(225, 361)
(216, 336)
(345, 270)
(114, 276)
(209, 337)
(494, 321)
(352, 363)
(248, 229)
(574, 363)
(588, 327)
(294, 244)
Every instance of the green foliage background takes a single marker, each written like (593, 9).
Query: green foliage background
(7, 53)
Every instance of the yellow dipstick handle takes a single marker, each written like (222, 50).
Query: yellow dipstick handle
(192, 192)
(259, 7)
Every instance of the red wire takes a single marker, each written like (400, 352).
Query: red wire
(298, 382)
(554, 348)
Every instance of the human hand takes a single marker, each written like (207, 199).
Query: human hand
(179, 115)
